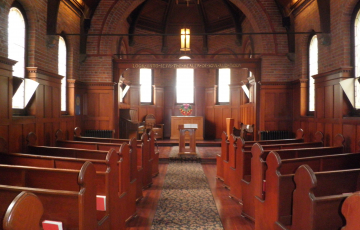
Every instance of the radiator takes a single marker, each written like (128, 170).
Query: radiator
(99, 133)
(275, 135)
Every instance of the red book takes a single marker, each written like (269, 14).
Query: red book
(100, 203)
(52, 225)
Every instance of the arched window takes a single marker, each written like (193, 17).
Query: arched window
(313, 70)
(357, 58)
(16, 51)
(62, 71)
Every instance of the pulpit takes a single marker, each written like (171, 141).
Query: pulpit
(184, 130)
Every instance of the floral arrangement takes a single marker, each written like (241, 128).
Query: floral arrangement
(186, 109)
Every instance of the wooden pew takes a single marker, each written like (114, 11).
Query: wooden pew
(23, 213)
(220, 158)
(130, 159)
(351, 209)
(143, 150)
(152, 157)
(240, 161)
(299, 138)
(107, 179)
(318, 197)
(252, 185)
(115, 176)
(277, 202)
(154, 154)
(68, 196)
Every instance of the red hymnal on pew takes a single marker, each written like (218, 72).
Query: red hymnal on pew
(100, 203)
(52, 225)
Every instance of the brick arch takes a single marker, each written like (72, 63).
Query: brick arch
(110, 17)
(260, 21)
(223, 51)
(145, 51)
(304, 50)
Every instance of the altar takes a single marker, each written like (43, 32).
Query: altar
(181, 120)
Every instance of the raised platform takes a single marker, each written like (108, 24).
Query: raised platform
(199, 143)
(205, 155)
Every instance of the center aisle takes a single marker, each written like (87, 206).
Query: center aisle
(186, 201)
(228, 209)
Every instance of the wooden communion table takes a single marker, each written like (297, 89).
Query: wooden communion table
(189, 129)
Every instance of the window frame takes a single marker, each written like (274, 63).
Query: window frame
(66, 111)
(152, 88)
(21, 111)
(355, 13)
(311, 113)
(218, 88)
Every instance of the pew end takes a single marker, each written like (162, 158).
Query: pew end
(24, 213)
(351, 209)
(299, 134)
(3, 145)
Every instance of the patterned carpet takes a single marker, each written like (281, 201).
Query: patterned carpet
(186, 201)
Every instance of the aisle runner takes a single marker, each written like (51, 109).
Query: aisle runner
(186, 201)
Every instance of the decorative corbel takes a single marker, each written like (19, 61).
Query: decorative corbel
(325, 39)
(51, 40)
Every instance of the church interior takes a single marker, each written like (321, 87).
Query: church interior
(180, 114)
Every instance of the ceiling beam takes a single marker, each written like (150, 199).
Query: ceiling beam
(202, 13)
(287, 22)
(134, 16)
(169, 7)
(52, 13)
(238, 17)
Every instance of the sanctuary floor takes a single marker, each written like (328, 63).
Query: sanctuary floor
(228, 209)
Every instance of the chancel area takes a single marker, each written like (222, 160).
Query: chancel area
(179, 114)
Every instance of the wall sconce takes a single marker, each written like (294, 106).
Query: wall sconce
(185, 39)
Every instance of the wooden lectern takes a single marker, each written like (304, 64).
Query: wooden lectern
(190, 128)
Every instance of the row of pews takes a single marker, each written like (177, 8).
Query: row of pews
(290, 184)
(86, 184)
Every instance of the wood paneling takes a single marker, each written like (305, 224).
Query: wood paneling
(98, 106)
(180, 120)
(332, 111)
(43, 114)
(276, 108)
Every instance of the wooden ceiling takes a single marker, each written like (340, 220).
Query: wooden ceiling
(166, 16)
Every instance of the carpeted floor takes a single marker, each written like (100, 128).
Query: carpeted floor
(186, 201)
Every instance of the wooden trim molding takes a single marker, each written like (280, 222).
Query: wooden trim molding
(35, 74)
(7, 61)
(334, 76)
(6, 66)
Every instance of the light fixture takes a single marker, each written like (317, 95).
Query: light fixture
(188, 1)
(185, 39)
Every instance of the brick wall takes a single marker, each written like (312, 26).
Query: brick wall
(40, 53)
